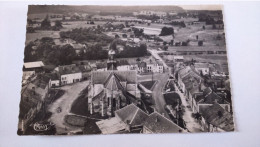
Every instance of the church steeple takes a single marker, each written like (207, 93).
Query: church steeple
(111, 63)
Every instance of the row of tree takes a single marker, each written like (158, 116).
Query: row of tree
(86, 35)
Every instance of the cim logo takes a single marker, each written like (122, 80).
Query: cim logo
(42, 127)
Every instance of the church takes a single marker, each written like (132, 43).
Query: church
(111, 90)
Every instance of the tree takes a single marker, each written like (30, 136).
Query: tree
(46, 24)
(67, 54)
(200, 43)
(166, 31)
(30, 22)
(30, 30)
(165, 48)
(58, 24)
(28, 57)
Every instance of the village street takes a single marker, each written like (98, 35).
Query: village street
(191, 123)
(65, 102)
(161, 81)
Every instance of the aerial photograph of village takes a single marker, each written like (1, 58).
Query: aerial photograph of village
(125, 69)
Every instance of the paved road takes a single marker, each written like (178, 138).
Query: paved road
(191, 123)
(158, 93)
(162, 79)
(65, 102)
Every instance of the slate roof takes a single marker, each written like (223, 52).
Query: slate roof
(132, 114)
(213, 97)
(210, 97)
(160, 124)
(99, 77)
(187, 71)
(207, 91)
(142, 64)
(113, 82)
(218, 116)
(35, 64)
(85, 68)
(41, 81)
(122, 62)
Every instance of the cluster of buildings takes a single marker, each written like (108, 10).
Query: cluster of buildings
(114, 93)
(144, 67)
(213, 106)
(131, 119)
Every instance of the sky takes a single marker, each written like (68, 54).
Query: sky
(201, 7)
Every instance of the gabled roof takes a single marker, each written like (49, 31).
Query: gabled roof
(210, 97)
(113, 82)
(35, 64)
(207, 91)
(41, 81)
(188, 72)
(85, 68)
(142, 64)
(132, 115)
(218, 116)
(213, 97)
(160, 124)
(99, 77)
(110, 126)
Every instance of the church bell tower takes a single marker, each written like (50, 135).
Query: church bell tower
(111, 62)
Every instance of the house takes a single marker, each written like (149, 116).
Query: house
(27, 75)
(36, 66)
(155, 67)
(178, 59)
(69, 74)
(157, 123)
(54, 80)
(85, 70)
(216, 119)
(30, 105)
(187, 77)
(129, 119)
(40, 85)
(142, 67)
(202, 68)
(208, 98)
(123, 65)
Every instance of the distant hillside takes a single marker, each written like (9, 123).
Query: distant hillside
(36, 9)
